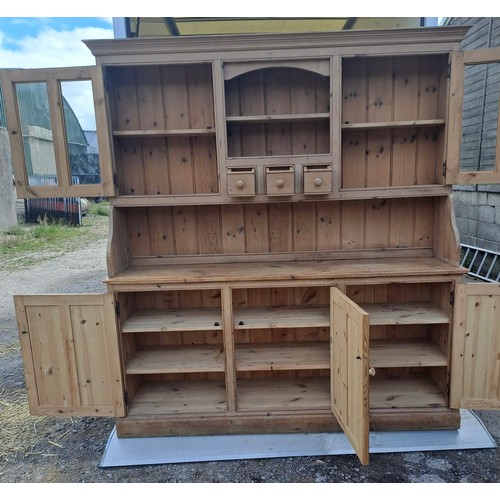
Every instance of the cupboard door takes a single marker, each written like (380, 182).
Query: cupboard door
(58, 132)
(349, 342)
(71, 355)
(475, 368)
(473, 150)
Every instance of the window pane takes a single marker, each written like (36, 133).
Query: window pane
(81, 134)
(36, 128)
(480, 117)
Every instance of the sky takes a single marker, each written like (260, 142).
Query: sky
(53, 42)
(38, 42)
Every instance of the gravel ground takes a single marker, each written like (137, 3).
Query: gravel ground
(69, 450)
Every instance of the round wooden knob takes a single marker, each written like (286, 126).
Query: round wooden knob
(240, 184)
(318, 181)
(371, 371)
(280, 183)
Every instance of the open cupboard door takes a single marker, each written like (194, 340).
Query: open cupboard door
(349, 343)
(53, 154)
(70, 352)
(475, 380)
(473, 150)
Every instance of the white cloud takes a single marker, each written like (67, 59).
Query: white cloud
(50, 48)
(55, 49)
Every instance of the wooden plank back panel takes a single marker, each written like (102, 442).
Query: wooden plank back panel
(433, 86)
(280, 227)
(380, 103)
(406, 87)
(384, 89)
(390, 157)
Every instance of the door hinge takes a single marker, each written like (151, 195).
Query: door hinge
(448, 73)
(452, 298)
(117, 309)
(115, 181)
(125, 398)
(444, 168)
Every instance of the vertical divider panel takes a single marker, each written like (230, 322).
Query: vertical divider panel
(229, 350)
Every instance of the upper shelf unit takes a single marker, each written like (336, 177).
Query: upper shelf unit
(277, 108)
(393, 121)
(163, 126)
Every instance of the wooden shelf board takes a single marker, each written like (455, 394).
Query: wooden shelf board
(283, 393)
(178, 320)
(164, 133)
(405, 313)
(176, 359)
(405, 353)
(274, 118)
(281, 317)
(395, 124)
(286, 356)
(176, 397)
(314, 393)
(291, 272)
(405, 392)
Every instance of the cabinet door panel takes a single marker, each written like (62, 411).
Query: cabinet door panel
(349, 370)
(71, 355)
(473, 155)
(58, 132)
(475, 369)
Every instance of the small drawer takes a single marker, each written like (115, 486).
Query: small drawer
(280, 181)
(317, 179)
(241, 182)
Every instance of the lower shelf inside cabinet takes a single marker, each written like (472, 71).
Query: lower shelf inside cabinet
(277, 394)
(174, 397)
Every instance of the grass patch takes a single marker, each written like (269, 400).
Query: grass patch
(101, 209)
(26, 244)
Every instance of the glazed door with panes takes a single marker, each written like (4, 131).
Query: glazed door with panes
(58, 130)
(473, 147)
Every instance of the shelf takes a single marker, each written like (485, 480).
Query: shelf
(174, 397)
(286, 356)
(178, 320)
(316, 356)
(274, 118)
(314, 393)
(281, 317)
(245, 272)
(163, 133)
(405, 353)
(396, 124)
(405, 313)
(405, 392)
(176, 359)
(283, 394)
